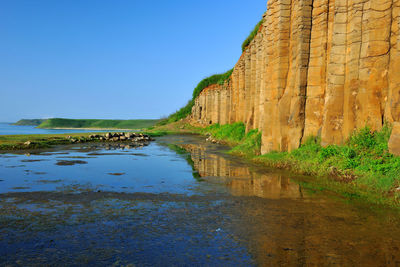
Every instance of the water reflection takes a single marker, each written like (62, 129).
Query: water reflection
(239, 179)
(285, 226)
(124, 206)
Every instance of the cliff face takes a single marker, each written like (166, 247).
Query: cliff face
(316, 68)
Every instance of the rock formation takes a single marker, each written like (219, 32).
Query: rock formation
(315, 68)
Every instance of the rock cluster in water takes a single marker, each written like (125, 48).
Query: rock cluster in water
(137, 138)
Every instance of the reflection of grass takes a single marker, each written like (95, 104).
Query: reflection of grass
(187, 156)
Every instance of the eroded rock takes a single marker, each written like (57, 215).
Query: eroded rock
(394, 141)
(315, 68)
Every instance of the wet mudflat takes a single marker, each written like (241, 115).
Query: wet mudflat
(179, 201)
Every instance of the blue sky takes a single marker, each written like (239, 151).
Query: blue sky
(114, 59)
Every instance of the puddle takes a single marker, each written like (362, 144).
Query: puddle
(70, 162)
(20, 188)
(49, 181)
(15, 166)
(33, 160)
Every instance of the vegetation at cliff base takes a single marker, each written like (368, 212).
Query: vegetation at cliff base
(362, 168)
(252, 35)
(363, 165)
(187, 109)
(235, 135)
(97, 124)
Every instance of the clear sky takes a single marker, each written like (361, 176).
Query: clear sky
(114, 59)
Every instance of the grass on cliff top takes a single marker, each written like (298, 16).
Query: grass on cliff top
(362, 168)
(187, 109)
(97, 124)
(252, 35)
(214, 79)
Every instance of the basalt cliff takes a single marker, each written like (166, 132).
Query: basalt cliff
(316, 68)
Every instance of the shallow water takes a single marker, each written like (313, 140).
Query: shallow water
(178, 201)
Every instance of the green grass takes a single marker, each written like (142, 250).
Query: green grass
(214, 79)
(187, 109)
(235, 135)
(30, 122)
(252, 35)
(97, 124)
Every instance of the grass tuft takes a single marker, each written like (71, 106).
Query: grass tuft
(252, 35)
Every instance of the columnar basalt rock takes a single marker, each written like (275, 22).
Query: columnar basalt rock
(316, 68)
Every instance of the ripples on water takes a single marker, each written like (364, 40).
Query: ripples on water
(179, 201)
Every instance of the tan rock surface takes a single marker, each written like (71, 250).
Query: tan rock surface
(316, 68)
(394, 141)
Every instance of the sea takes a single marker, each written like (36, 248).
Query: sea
(6, 128)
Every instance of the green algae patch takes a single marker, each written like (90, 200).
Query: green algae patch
(36, 141)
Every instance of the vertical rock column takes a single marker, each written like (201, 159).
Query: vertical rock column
(393, 103)
(316, 85)
(292, 104)
(374, 62)
(277, 31)
(334, 99)
(287, 59)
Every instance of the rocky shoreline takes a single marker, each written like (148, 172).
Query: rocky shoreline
(137, 138)
(120, 138)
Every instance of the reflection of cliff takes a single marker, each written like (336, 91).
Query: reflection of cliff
(322, 67)
(240, 180)
(280, 229)
(317, 233)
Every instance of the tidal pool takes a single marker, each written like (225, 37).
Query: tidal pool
(179, 201)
